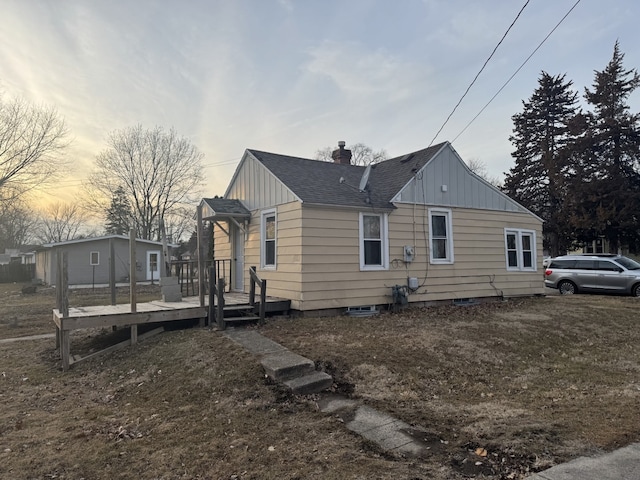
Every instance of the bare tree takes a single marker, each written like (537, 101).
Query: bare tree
(480, 168)
(160, 172)
(32, 140)
(60, 222)
(361, 154)
(17, 224)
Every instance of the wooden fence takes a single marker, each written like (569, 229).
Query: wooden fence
(17, 272)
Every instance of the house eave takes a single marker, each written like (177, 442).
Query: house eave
(388, 209)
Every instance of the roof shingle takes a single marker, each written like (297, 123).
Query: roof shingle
(318, 182)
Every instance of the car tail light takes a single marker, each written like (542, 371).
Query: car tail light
(548, 272)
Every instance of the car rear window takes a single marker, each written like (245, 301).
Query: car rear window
(628, 263)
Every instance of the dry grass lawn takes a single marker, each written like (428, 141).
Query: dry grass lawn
(532, 382)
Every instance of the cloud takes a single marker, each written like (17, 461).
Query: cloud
(355, 70)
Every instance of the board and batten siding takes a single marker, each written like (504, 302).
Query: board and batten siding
(446, 180)
(256, 187)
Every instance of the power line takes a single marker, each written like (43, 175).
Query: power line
(222, 162)
(481, 70)
(518, 69)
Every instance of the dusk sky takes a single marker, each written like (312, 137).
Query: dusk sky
(293, 77)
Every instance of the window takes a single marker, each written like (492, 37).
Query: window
(268, 234)
(374, 251)
(440, 236)
(520, 249)
(94, 258)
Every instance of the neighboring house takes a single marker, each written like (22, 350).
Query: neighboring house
(334, 235)
(88, 260)
(24, 255)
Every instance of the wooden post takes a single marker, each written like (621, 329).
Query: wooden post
(112, 271)
(212, 296)
(134, 334)
(252, 286)
(62, 286)
(62, 294)
(201, 263)
(166, 270)
(65, 347)
(132, 270)
(263, 300)
(220, 309)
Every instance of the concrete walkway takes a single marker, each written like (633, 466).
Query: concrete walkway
(393, 435)
(28, 337)
(621, 464)
(386, 431)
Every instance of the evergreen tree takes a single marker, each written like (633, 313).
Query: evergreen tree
(606, 185)
(542, 137)
(118, 214)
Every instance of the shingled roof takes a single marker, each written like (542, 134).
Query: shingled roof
(226, 207)
(318, 182)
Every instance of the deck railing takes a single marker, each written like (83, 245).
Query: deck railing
(217, 302)
(187, 273)
(256, 280)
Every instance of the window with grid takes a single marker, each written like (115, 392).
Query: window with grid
(440, 236)
(520, 247)
(373, 242)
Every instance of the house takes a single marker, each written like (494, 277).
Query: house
(417, 228)
(88, 260)
(25, 255)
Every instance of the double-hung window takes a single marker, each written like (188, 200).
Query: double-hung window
(374, 249)
(520, 249)
(440, 236)
(269, 239)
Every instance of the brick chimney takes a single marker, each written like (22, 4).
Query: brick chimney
(341, 155)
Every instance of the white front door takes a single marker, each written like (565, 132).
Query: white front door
(153, 263)
(238, 259)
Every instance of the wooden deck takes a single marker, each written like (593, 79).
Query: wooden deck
(151, 312)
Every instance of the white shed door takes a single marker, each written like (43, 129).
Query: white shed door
(153, 264)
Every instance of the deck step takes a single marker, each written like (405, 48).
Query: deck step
(313, 383)
(241, 319)
(286, 365)
(232, 308)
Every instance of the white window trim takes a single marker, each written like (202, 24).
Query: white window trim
(263, 237)
(384, 237)
(519, 232)
(91, 258)
(447, 213)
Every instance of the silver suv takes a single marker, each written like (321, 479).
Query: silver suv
(593, 273)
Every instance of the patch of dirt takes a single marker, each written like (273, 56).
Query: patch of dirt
(495, 391)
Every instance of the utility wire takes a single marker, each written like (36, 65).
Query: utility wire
(516, 72)
(481, 70)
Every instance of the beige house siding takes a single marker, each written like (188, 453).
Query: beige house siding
(321, 269)
(284, 281)
(332, 278)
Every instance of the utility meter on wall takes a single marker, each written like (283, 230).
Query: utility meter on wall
(409, 253)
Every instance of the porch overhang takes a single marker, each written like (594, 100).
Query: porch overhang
(225, 210)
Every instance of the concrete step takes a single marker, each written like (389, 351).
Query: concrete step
(312, 383)
(286, 365)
